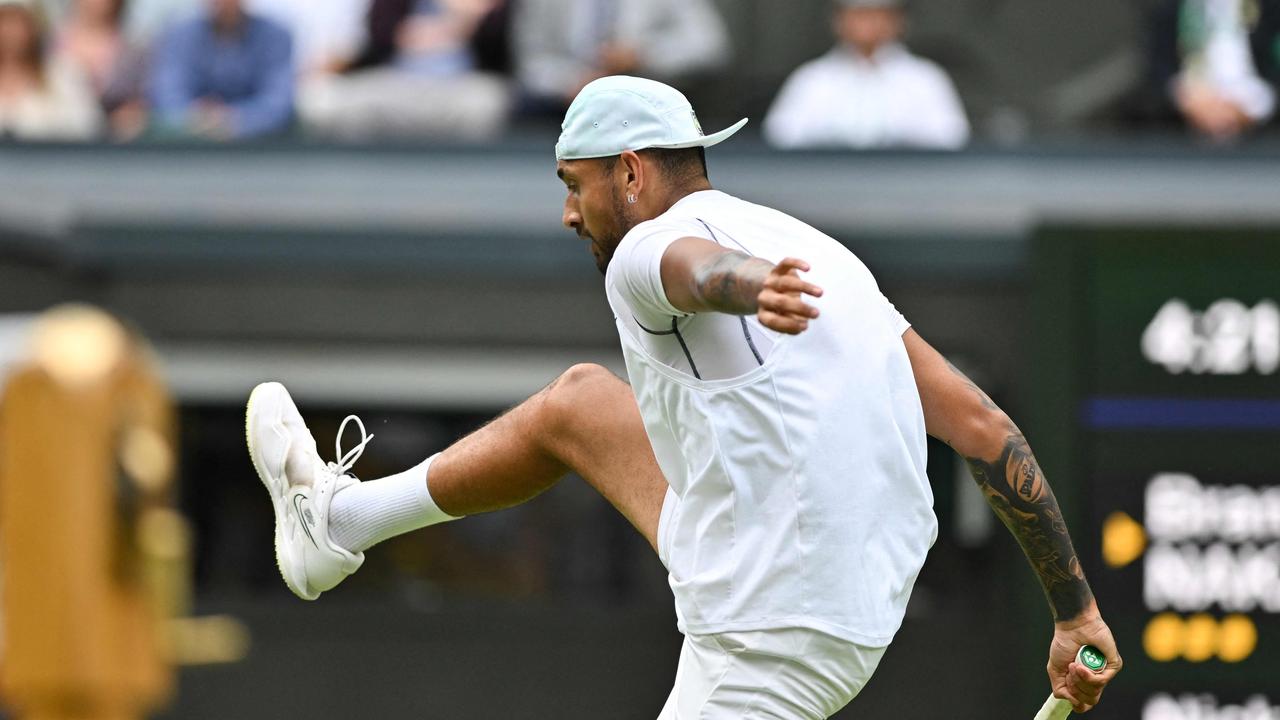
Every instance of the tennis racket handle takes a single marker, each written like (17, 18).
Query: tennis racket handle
(1058, 709)
(1054, 709)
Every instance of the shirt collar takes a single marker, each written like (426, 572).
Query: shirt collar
(885, 54)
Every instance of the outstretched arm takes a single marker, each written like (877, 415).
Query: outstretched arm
(701, 276)
(959, 413)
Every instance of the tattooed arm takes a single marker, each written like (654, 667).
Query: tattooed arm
(699, 276)
(960, 414)
(1009, 476)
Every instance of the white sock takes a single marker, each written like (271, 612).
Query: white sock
(365, 514)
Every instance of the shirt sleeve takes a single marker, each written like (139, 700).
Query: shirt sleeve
(173, 82)
(636, 271)
(939, 120)
(897, 321)
(270, 108)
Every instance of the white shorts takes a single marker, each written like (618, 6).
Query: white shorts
(791, 674)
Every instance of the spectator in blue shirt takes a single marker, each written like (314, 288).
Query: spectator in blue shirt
(226, 74)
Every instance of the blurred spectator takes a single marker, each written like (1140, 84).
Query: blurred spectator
(1216, 63)
(224, 75)
(561, 45)
(146, 20)
(39, 98)
(92, 39)
(327, 34)
(142, 19)
(491, 42)
(416, 77)
(869, 91)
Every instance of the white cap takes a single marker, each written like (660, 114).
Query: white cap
(620, 113)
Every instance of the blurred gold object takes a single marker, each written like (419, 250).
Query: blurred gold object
(1123, 540)
(165, 540)
(1164, 637)
(209, 639)
(77, 345)
(95, 559)
(1237, 638)
(147, 458)
(1201, 638)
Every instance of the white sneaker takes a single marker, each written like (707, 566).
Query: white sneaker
(302, 487)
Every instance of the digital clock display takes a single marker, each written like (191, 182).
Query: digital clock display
(1227, 338)
(1163, 348)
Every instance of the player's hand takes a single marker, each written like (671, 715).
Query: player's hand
(780, 305)
(1069, 679)
(1209, 111)
(211, 119)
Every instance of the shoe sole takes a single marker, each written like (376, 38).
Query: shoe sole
(276, 489)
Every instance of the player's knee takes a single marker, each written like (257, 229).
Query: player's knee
(585, 375)
(572, 393)
(580, 381)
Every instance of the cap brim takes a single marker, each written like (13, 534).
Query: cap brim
(707, 140)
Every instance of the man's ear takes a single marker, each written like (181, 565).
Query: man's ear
(633, 166)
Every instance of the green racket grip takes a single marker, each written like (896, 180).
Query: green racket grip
(1058, 709)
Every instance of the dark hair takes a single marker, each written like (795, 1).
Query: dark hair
(680, 165)
(118, 11)
(35, 20)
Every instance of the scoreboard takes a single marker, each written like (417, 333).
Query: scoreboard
(1157, 420)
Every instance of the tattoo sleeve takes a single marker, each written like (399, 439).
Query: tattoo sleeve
(1017, 491)
(732, 282)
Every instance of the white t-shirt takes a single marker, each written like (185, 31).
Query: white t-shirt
(845, 100)
(796, 463)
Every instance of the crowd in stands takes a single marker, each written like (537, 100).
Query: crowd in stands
(467, 69)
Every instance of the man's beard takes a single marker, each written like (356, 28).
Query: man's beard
(608, 242)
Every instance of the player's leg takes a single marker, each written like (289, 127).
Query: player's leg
(586, 421)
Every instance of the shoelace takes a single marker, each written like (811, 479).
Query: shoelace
(348, 459)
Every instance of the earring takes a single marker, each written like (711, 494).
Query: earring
(632, 198)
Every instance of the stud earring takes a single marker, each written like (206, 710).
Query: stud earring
(632, 199)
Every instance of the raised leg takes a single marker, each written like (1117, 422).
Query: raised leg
(586, 421)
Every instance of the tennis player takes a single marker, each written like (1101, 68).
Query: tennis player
(770, 446)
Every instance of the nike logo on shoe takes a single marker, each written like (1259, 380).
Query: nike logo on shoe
(307, 518)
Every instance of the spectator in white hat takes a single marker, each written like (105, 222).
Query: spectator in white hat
(38, 99)
(869, 91)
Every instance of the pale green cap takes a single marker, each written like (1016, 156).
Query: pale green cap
(620, 112)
